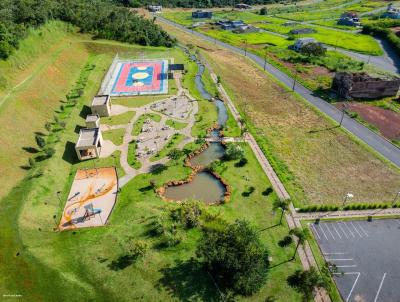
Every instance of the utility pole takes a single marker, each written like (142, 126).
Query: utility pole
(265, 60)
(294, 79)
(245, 47)
(344, 107)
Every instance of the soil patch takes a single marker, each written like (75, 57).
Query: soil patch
(388, 122)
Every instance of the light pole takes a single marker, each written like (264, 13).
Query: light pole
(59, 198)
(265, 60)
(347, 196)
(294, 79)
(395, 198)
(344, 107)
(245, 47)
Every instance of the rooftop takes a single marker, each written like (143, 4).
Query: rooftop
(99, 100)
(92, 117)
(88, 137)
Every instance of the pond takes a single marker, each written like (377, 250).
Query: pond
(196, 189)
(213, 152)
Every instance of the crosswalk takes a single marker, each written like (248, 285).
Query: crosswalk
(339, 230)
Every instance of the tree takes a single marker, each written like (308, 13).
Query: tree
(234, 152)
(235, 256)
(313, 49)
(301, 236)
(263, 11)
(283, 205)
(175, 154)
(40, 141)
(305, 281)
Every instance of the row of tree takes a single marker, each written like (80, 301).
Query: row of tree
(102, 18)
(195, 3)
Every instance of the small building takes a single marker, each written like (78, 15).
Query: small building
(228, 25)
(173, 68)
(300, 43)
(243, 6)
(349, 19)
(92, 121)
(246, 29)
(290, 23)
(154, 8)
(392, 12)
(89, 144)
(362, 86)
(201, 14)
(302, 31)
(101, 105)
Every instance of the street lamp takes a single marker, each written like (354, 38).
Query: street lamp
(265, 60)
(347, 196)
(294, 79)
(344, 107)
(395, 198)
(245, 47)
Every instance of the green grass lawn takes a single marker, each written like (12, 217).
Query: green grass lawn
(172, 143)
(176, 125)
(132, 159)
(116, 136)
(138, 125)
(231, 128)
(120, 119)
(138, 101)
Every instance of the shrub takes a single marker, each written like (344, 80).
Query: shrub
(234, 152)
(263, 11)
(40, 141)
(175, 154)
(286, 241)
(32, 162)
(49, 152)
(235, 256)
(305, 281)
(188, 214)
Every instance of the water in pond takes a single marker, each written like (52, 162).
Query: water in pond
(204, 187)
(212, 153)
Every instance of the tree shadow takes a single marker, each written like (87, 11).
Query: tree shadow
(85, 111)
(31, 150)
(267, 191)
(188, 281)
(280, 263)
(158, 169)
(270, 227)
(122, 262)
(69, 154)
(145, 189)
(78, 129)
(324, 129)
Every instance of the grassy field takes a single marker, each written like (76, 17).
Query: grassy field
(176, 125)
(115, 135)
(90, 264)
(137, 127)
(120, 119)
(132, 159)
(137, 101)
(317, 161)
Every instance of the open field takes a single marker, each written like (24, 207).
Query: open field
(94, 264)
(317, 161)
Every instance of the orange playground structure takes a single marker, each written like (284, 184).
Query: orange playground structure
(91, 199)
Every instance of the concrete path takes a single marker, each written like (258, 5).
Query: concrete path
(373, 140)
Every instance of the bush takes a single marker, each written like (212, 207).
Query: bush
(40, 141)
(175, 154)
(235, 256)
(305, 281)
(286, 241)
(263, 11)
(188, 214)
(234, 152)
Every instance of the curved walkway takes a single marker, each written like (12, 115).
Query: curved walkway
(373, 140)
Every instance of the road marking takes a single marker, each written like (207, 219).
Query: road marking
(380, 287)
(362, 229)
(315, 231)
(354, 284)
(340, 226)
(353, 265)
(338, 253)
(329, 230)
(323, 232)
(347, 227)
(351, 222)
(340, 237)
(350, 259)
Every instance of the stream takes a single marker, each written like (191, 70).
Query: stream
(205, 186)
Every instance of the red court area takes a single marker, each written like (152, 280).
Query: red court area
(147, 77)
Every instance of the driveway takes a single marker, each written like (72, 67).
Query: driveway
(373, 140)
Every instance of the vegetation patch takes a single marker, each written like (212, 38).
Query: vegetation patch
(172, 143)
(138, 125)
(115, 135)
(120, 119)
(176, 125)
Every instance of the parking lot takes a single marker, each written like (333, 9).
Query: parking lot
(366, 255)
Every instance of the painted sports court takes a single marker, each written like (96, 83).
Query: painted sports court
(137, 77)
(91, 199)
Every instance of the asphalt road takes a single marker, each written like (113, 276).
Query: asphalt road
(375, 141)
(366, 256)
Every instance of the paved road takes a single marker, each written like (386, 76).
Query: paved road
(376, 142)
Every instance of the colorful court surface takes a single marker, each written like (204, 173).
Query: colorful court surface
(91, 199)
(140, 78)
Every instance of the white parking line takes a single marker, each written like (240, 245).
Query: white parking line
(323, 232)
(315, 231)
(340, 227)
(340, 237)
(350, 259)
(380, 287)
(347, 227)
(338, 253)
(354, 284)
(351, 222)
(362, 229)
(329, 230)
(353, 265)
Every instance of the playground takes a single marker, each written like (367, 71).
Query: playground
(145, 77)
(91, 199)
